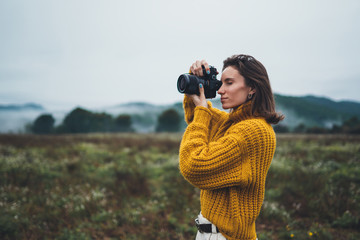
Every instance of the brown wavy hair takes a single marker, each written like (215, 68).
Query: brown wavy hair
(256, 77)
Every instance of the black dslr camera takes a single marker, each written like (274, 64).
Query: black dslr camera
(189, 83)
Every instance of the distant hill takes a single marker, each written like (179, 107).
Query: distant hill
(14, 117)
(20, 107)
(307, 110)
(315, 111)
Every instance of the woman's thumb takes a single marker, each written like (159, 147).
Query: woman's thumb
(201, 90)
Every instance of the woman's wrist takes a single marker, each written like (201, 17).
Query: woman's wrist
(202, 104)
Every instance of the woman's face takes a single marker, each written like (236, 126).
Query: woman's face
(234, 90)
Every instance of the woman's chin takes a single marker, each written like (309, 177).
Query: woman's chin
(224, 106)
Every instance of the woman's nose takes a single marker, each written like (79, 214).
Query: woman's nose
(221, 90)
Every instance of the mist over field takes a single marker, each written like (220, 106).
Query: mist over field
(15, 121)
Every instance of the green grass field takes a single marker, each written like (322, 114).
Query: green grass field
(128, 186)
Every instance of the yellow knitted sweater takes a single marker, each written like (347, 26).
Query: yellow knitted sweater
(227, 156)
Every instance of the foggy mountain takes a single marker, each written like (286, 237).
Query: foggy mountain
(307, 110)
(315, 111)
(14, 117)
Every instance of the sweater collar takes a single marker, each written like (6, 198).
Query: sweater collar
(241, 112)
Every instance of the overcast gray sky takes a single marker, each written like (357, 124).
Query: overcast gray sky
(98, 53)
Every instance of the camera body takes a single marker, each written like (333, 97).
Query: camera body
(189, 83)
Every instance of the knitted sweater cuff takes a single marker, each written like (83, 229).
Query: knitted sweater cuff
(188, 102)
(202, 115)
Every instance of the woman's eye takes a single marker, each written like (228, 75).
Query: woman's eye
(228, 83)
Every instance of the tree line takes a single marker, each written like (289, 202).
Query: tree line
(349, 126)
(81, 120)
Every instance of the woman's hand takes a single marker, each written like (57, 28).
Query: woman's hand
(199, 100)
(197, 69)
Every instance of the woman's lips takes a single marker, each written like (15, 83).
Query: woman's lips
(223, 99)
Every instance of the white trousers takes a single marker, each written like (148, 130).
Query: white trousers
(208, 236)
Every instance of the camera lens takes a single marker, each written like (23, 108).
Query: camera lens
(182, 83)
(188, 84)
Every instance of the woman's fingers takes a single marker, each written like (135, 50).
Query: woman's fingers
(197, 68)
(206, 65)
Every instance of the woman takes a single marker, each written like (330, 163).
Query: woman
(227, 155)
